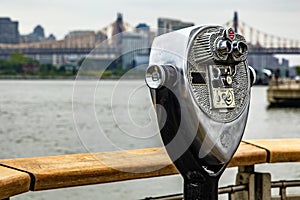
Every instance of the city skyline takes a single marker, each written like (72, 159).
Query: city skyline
(60, 17)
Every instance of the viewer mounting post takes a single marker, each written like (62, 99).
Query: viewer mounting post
(200, 82)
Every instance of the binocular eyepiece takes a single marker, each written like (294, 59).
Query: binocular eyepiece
(224, 46)
(237, 49)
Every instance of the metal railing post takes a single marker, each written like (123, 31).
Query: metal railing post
(259, 184)
(262, 186)
(245, 176)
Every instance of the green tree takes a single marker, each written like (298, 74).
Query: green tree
(17, 58)
(17, 61)
(47, 69)
(79, 63)
(74, 70)
(62, 69)
(297, 70)
(6, 68)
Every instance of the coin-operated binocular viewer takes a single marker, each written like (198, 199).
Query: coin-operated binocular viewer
(200, 82)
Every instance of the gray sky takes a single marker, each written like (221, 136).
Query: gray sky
(278, 17)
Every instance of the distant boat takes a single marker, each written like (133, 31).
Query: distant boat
(263, 76)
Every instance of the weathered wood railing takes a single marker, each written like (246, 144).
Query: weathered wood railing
(42, 173)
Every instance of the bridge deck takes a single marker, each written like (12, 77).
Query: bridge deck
(6, 51)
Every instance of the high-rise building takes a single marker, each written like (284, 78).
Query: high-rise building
(166, 25)
(37, 35)
(262, 62)
(78, 33)
(80, 38)
(144, 29)
(51, 37)
(133, 45)
(39, 31)
(9, 31)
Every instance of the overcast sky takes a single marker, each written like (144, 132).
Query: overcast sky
(278, 17)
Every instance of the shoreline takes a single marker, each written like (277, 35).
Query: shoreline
(69, 78)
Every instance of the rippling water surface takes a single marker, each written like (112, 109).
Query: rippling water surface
(39, 118)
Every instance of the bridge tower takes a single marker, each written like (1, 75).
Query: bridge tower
(235, 21)
(118, 26)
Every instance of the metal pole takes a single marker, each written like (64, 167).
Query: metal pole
(201, 187)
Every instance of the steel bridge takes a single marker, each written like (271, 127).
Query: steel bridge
(59, 51)
(259, 42)
(253, 50)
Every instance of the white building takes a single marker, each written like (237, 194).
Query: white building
(133, 45)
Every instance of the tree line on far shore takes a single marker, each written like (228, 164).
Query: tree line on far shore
(19, 65)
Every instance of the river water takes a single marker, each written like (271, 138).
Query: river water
(43, 118)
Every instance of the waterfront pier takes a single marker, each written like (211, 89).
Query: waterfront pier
(284, 92)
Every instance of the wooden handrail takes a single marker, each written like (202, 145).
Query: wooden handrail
(52, 172)
(279, 150)
(13, 182)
